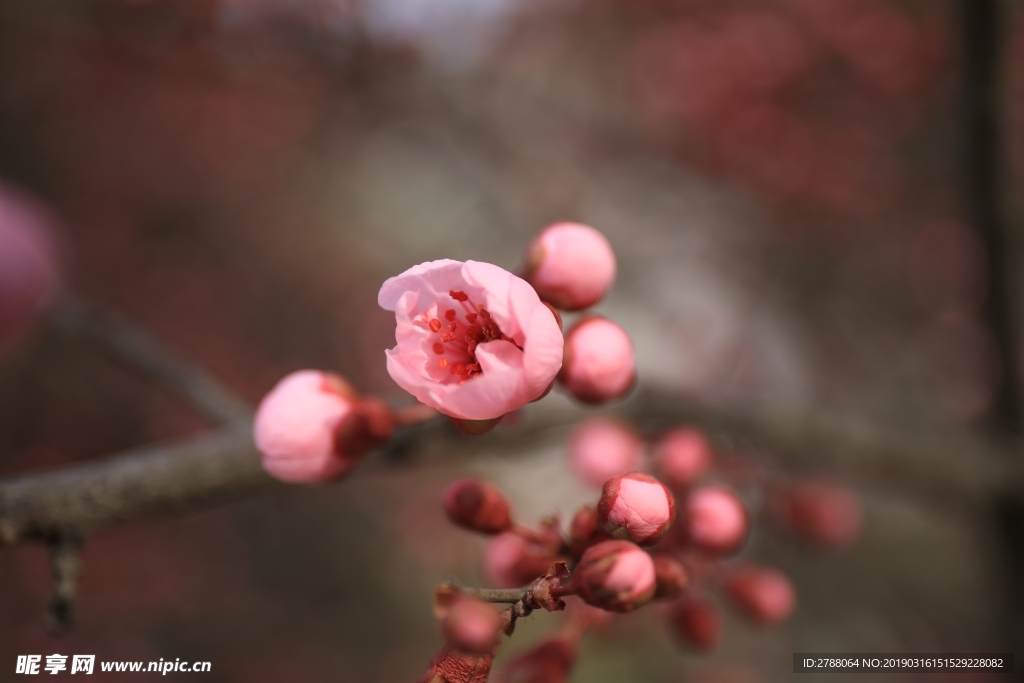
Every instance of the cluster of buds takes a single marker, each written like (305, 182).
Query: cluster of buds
(692, 558)
(647, 538)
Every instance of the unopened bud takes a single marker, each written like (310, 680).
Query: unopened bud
(312, 427)
(584, 529)
(511, 561)
(598, 363)
(450, 665)
(696, 623)
(570, 265)
(764, 594)
(716, 520)
(824, 514)
(477, 505)
(29, 269)
(601, 448)
(551, 661)
(683, 456)
(470, 625)
(637, 507)
(617, 576)
(670, 576)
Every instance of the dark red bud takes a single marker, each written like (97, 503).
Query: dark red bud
(477, 505)
(670, 576)
(696, 623)
(551, 661)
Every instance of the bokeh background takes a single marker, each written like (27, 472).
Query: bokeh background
(783, 183)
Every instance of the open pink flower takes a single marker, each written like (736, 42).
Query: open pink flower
(474, 341)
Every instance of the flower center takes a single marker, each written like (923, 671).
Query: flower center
(464, 326)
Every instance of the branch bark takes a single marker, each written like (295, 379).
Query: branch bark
(128, 343)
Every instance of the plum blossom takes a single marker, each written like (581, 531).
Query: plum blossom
(473, 341)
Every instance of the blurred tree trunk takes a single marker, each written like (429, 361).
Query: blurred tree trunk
(985, 185)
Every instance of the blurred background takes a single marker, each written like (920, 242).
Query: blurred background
(786, 187)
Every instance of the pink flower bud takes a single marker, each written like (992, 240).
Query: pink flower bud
(670, 576)
(551, 661)
(716, 520)
(312, 427)
(636, 506)
(598, 364)
(762, 593)
(571, 265)
(473, 341)
(614, 575)
(477, 505)
(470, 625)
(683, 455)
(510, 561)
(29, 277)
(450, 665)
(824, 514)
(600, 449)
(696, 623)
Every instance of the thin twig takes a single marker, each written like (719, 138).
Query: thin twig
(64, 567)
(128, 343)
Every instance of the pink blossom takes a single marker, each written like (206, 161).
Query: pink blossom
(599, 362)
(308, 428)
(28, 262)
(716, 520)
(636, 506)
(764, 594)
(683, 456)
(474, 341)
(600, 449)
(571, 265)
(615, 575)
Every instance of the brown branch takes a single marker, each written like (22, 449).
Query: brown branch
(496, 595)
(130, 344)
(78, 499)
(200, 470)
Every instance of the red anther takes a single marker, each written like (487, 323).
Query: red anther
(438, 348)
(445, 338)
(449, 314)
(443, 362)
(435, 325)
(484, 313)
(471, 317)
(453, 327)
(458, 296)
